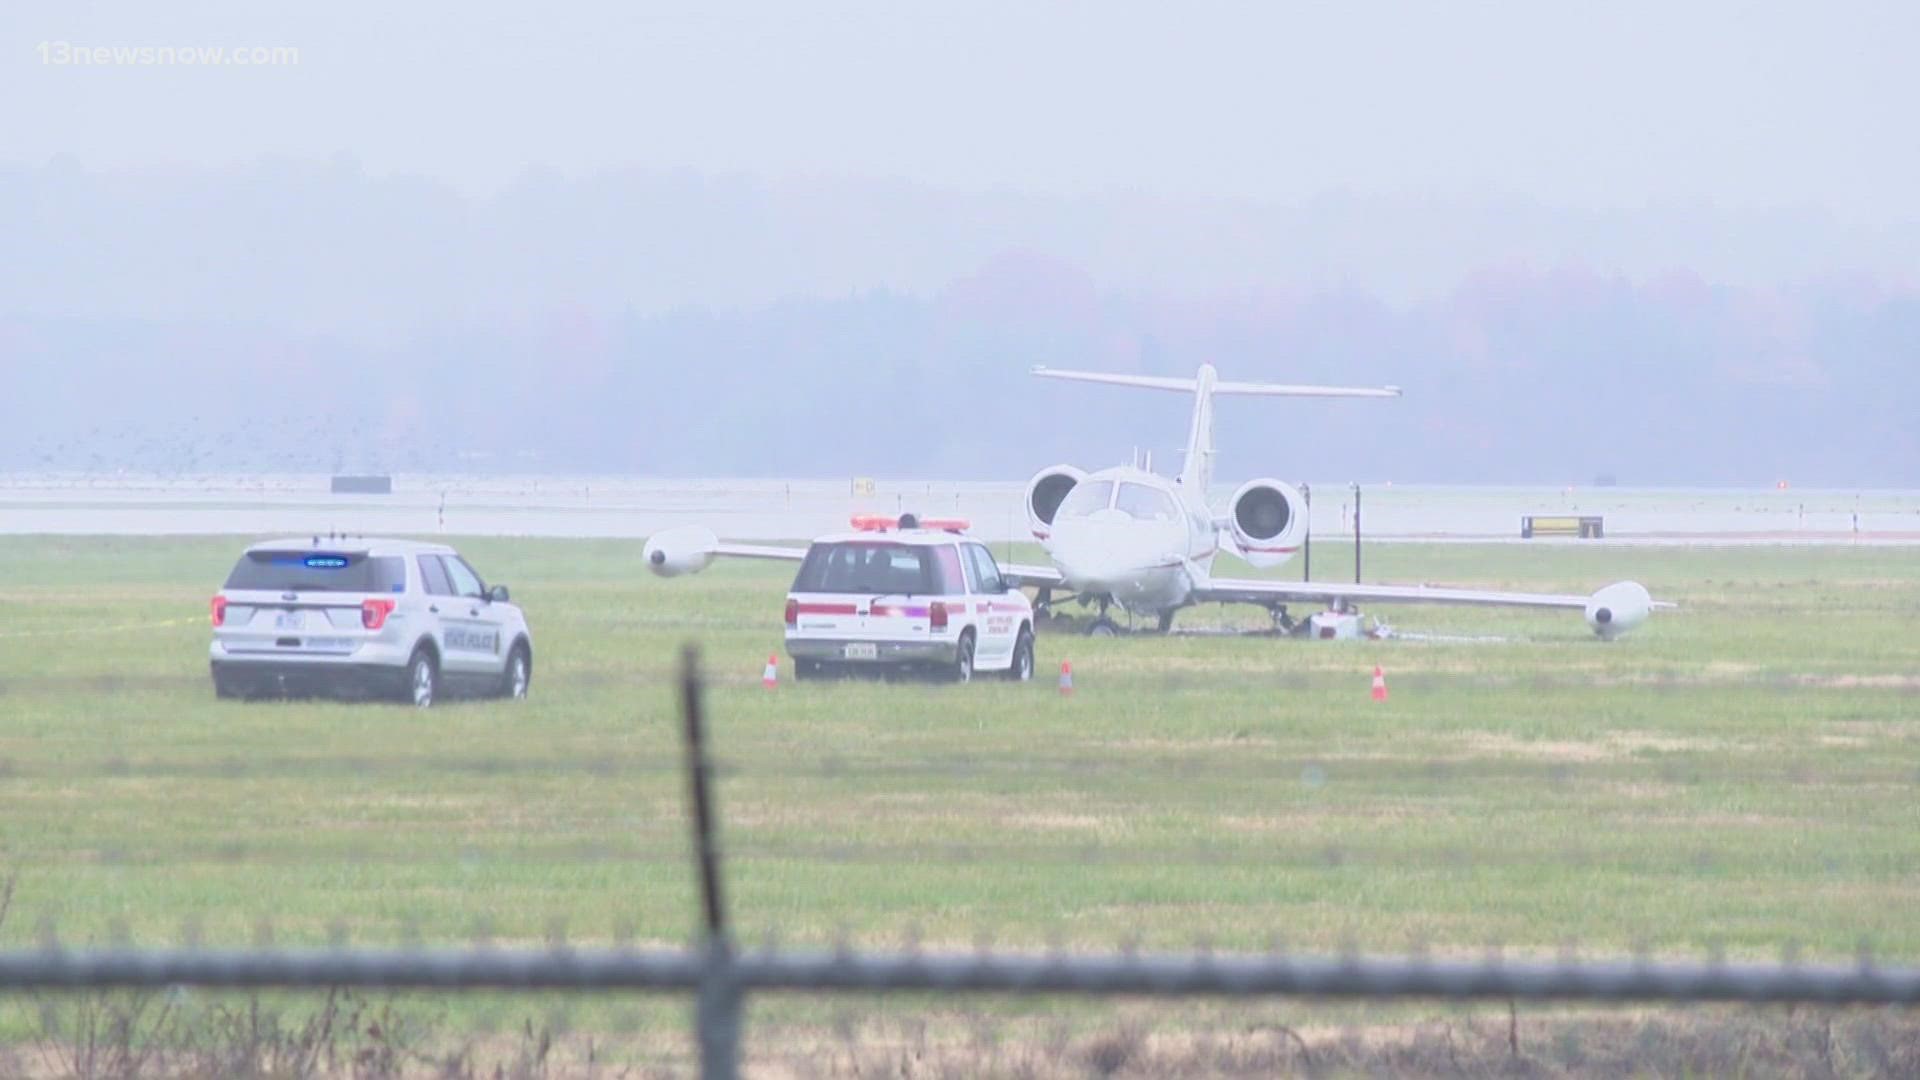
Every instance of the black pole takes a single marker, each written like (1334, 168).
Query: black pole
(1306, 542)
(1356, 534)
(717, 1005)
(699, 781)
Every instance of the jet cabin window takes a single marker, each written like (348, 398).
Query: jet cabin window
(1086, 498)
(1143, 503)
(879, 570)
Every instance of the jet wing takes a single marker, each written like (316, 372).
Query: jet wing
(760, 551)
(689, 548)
(1254, 591)
(1251, 591)
(1040, 576)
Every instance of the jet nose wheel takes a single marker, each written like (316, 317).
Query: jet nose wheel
(1103, 628)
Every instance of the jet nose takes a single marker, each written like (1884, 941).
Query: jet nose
(1098, 554)
(1090, 574)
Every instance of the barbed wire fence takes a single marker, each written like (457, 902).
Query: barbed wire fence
(721, 975)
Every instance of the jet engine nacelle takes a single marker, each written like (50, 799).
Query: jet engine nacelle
(684, 550)
(1618, 608)
(1045, 492)
(1267, 519)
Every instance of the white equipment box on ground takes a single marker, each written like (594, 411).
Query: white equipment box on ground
(1336, 626)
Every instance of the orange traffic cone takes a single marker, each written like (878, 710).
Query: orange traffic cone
(1066, 677)
(771, 676)
(1379, 684)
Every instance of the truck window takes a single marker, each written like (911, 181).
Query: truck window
(873, 568)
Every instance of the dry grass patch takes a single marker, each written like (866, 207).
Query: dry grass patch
(1609, 746)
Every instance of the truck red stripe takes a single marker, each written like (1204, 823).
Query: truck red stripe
(825, 609)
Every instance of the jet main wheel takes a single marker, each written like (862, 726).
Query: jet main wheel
(1103, 627)
(1022, 669)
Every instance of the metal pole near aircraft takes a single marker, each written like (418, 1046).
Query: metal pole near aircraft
(1306, 541)
(1356, 532)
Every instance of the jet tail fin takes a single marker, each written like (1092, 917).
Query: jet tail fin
(1197, 471)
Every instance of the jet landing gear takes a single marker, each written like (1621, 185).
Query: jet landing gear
(1284, 623)
(1047, 610)
(1105, 626)
(1102, 626)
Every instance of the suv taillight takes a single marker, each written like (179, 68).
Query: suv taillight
(373, 613)
(793, 612)
(937, 616)
(217, 610)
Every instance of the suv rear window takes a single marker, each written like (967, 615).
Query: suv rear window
(318, 571)
(881, 569)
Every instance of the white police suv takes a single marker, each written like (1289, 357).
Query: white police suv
(365, 618)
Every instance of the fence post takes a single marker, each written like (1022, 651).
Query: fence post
(718, 1007)
(717, 1013)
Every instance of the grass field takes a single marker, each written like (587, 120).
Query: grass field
(1741, 773)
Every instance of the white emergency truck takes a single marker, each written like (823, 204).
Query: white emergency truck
(892, 594)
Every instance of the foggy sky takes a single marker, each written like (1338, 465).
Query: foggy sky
(1585, 106)
(1668, 244)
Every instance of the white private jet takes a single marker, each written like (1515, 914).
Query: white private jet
(1127, 536)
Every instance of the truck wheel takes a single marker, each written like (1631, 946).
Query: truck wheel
(1022, 668)
(962, 669)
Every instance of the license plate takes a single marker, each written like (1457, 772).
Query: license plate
(862, 651)
(290, 620)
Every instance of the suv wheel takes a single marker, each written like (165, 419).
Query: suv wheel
(1022, 667)
(423, 679)
(962, 670)
(518, 676)
(226, 688)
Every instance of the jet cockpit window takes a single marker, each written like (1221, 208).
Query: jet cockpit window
(1143, 503)
(1086, 498)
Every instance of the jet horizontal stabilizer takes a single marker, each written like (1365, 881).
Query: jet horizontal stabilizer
(1245, 389)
